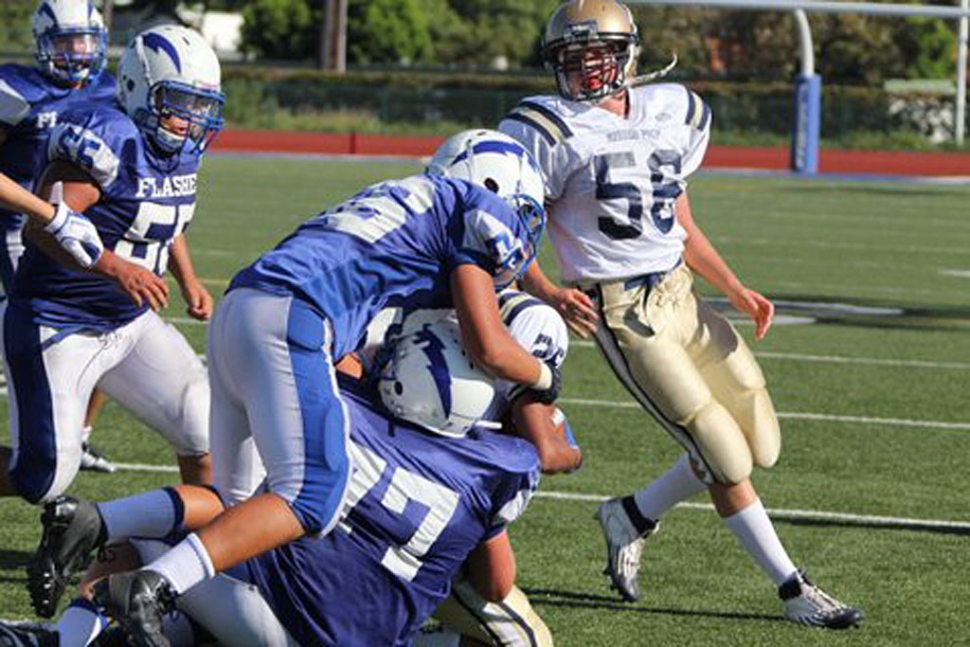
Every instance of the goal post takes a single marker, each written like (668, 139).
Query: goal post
(807, 93)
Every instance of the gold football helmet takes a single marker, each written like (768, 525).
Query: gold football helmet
(592, 45)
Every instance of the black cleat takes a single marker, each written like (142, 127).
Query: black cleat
(137, 600)
(72, 529)
(16, 634)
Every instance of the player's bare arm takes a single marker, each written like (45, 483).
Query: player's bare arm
(486, 339)
(572, 304)
(533, 421)
(491, 568)
(198, 301)
(703, 258)
(80, 192)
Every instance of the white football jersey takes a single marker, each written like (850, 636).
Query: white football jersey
(611, 182)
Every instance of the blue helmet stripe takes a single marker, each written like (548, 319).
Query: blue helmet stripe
(498, 146)
(160, 43)
(47, 11)
(438, 366)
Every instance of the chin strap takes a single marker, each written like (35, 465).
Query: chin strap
(643, 79)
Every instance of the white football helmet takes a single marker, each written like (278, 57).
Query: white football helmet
(497, 162)
(429, 380)
(70, 40)
(169, 83)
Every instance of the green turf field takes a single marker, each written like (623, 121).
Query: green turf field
(872, 388)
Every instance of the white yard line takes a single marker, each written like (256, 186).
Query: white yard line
(835, 359)
(808, 515)
(796, 415)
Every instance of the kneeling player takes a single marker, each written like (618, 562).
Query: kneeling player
(420, 504)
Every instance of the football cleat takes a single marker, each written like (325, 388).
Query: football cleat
(625, 530)
(72, 529)
(806, 604)
(137, 600)
(15, 634)
(93, 460)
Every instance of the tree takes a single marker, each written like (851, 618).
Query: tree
(15, 35)
(388, 31)
(280, 29)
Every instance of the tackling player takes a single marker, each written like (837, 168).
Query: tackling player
(286, 319)
(131, 169)
(615, 158)
(70, 49)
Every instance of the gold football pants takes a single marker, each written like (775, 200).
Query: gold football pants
(687, 366)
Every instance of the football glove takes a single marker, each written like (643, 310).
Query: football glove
(76, 235)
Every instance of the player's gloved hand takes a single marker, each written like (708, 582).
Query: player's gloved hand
(76, 235)
(546, 389)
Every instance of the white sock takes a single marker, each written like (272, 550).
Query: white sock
(757, 535)
(675, 485)
(186, 565)
(153, 514)
(86, 433)
(80, 624)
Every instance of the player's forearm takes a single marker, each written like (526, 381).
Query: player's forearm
(15, 198)
(701, 256)
(533, 422)
(536, 283)
(180, 262)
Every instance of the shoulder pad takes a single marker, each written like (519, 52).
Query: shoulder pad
(535, 113)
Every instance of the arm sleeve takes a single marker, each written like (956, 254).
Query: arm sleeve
(86, 148)
(13, 106)
(697, 118)
(542, 145)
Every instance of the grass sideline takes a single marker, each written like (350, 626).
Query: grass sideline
(896, 253)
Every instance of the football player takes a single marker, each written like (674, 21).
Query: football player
(131, 169)
(286, 319)
(419, 505)
(70, 44)
(615, 159)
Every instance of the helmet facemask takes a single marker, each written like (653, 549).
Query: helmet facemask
(72, 55)
(591, 67)
(184, 117)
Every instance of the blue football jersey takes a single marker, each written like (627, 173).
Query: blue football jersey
(147, 199)
(394, 239)
(417, 504)
(30, 107)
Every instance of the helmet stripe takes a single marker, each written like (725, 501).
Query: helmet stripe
(47, 11)
(437, 365)
(159, 43)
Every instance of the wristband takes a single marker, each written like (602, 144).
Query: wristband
(60, 217)
(544, 381)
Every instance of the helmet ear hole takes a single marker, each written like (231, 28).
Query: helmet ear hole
(491, 185)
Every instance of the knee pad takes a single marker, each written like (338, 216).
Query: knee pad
(721, 443)
(509, 623)
(193, 423)
(758, 421)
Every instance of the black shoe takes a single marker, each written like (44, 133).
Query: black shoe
(72, 529)
(94, 460)
(137, 600)
(27, 635)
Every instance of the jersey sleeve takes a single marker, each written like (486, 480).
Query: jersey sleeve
(514, 497)
(540, 131)
(14, 107)
(89, 147)
(697, 118)
(488, 239)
